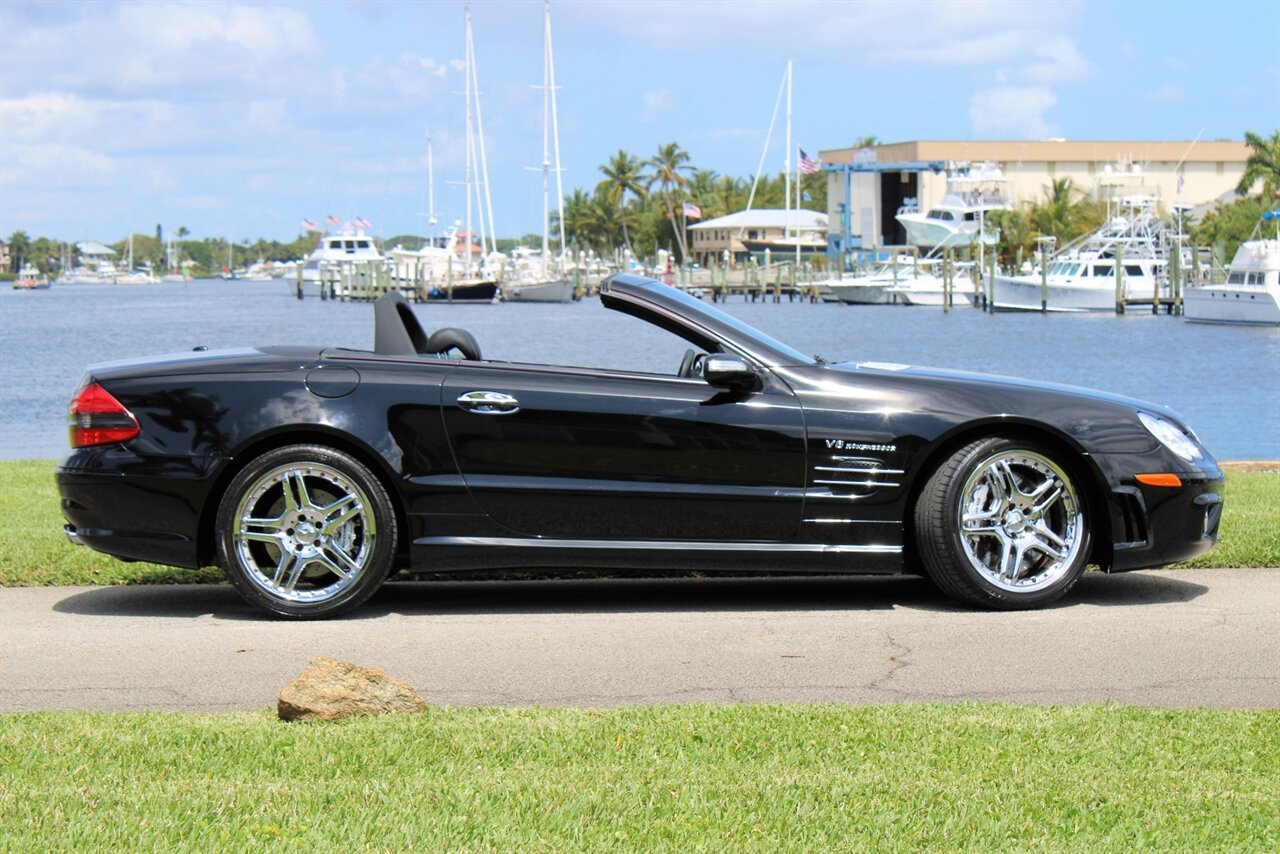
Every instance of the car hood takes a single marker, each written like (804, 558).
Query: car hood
(973, 378)
(932, 403)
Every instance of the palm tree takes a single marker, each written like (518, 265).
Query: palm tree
(19, 246)
(622, 175)
(866, 141)
(1263, 164)
(668, 165)
(730, 195)
(575, 217)
(1057, 214)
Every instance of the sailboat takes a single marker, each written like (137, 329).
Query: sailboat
(136, 275)
(452, 267)
(539, 278)
(796, 237)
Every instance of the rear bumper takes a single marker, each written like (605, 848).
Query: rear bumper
(132, 517)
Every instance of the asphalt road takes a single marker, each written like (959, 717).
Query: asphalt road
(1181, 638)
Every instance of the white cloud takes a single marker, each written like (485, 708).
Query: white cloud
(1016, 112)
(656, 102)
(1168, 93)
(149, 47)
(1057, 60)
(933, 32)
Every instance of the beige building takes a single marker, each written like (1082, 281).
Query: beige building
(1177, 172)
(745, 233)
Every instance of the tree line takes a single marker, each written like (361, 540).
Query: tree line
(639, 202)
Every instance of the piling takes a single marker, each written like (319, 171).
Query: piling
(1119, 279)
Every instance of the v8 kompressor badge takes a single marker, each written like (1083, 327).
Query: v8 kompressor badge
(846, 445)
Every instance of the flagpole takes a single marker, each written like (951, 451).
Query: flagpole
(786, 193)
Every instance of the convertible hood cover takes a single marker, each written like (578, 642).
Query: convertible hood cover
(239, 360)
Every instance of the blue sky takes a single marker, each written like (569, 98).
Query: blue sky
(241, 118)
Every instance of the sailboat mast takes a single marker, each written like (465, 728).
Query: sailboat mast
(486, 204)
(467, 60)
(555, 128)
(786, 195)
(546, 134)
(431, 191)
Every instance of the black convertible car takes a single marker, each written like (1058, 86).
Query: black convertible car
(309, 474)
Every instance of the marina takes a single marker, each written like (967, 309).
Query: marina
(1234, 399)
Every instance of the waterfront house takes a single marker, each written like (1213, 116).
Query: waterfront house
(735, 232)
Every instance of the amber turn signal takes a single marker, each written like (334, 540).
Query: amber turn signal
(1159, 479)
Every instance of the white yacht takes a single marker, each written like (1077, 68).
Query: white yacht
(342, 251)
(1082, 276)
(972, 191)
(929, 289)
(1251, 293)
(873, 287)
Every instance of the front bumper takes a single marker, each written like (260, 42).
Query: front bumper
(1154, 526)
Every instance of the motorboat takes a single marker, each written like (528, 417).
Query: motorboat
(1133, 244)
(30, 279)
(973, 190)
(1251, 293)
(930, 289)
(142, 275)
(880, 286)
(340, 252)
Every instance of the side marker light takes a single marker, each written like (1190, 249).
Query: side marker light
(1159, 479)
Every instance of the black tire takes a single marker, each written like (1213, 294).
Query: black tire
(1003, 525)
(306, 532)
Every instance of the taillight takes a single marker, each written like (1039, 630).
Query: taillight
(97, 418)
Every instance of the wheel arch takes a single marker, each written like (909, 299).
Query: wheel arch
(297, 434)
(1077, 460)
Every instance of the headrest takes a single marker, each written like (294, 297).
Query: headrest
(396, 331)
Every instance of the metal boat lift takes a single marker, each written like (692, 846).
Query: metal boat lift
(839, 248)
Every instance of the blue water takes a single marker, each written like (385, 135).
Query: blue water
(1224, 380)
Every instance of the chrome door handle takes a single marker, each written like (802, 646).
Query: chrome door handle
(489, 403)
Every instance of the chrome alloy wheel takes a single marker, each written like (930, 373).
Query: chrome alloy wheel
(1021, 522)
(304, 532)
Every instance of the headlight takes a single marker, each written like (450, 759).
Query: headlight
(1171, 436)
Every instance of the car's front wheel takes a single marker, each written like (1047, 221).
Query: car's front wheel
(1003, 524)
(306, 531)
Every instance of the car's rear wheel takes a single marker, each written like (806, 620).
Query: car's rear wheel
(1003, 524)
(306, 531)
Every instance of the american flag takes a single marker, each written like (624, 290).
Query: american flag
(808, 165)
(361, 222)
(332, 220)
(308, 225)
(690, 209)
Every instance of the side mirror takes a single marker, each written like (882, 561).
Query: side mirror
(726, 371)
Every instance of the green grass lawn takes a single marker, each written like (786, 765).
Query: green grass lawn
(672, 778)
(33, 551)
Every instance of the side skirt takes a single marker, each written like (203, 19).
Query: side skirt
(444, 554)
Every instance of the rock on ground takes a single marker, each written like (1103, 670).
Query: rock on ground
(330, 689)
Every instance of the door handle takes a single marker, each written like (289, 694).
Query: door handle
(489, 403)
